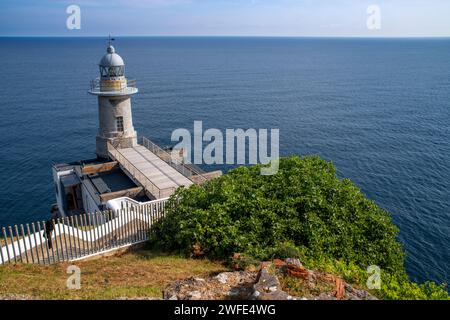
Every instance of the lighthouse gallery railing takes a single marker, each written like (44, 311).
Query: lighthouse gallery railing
(95, 86)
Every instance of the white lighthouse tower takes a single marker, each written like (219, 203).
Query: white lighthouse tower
(125, 172)
(114, 93)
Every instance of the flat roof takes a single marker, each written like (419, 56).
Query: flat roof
(103, 182)
(111, 181)
(79, 163)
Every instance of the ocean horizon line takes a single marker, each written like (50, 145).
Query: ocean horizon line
(229, 36)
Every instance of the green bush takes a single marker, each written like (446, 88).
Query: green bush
(304, 209)
(393, 286)
(305, 204)
(398, 288)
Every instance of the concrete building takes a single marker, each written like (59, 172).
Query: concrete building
(127, 169)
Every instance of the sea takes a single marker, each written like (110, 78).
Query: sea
(379, 109)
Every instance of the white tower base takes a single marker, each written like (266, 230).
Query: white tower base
(116, 124)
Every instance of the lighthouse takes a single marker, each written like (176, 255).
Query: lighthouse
(114, 92)
(127, 171)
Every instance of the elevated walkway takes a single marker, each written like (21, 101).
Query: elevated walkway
(157, 176)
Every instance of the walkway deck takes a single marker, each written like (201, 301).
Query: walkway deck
(154, 174)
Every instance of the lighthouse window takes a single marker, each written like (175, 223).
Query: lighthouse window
(119, 124)
(112, 71)
(103, 71)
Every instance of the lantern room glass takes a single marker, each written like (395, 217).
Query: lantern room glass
(108, 72)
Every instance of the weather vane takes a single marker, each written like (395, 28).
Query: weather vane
(110, 39)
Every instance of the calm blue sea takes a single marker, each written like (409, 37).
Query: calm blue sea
(379, 109)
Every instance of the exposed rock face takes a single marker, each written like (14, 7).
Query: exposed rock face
(227, 285)
(268, 287)
(265, 285)
(318, 285)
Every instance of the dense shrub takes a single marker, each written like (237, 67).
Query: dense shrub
(305, 204)
(303, 210)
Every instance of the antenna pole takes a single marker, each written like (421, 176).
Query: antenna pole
(110, 40)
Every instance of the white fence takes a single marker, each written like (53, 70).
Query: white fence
(75, 237)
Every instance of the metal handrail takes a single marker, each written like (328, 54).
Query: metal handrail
(96, 87)
(138, 175)
(176, 164)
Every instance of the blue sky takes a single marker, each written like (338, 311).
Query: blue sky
(226, 17)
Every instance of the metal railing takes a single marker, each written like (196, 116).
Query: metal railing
(79, 236)
(186, 170)
(138, 175)
(95, 86)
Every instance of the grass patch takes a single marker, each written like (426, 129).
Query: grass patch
(132, 275)
(298, 287)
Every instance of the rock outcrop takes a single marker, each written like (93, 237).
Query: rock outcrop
(227, 285)
(266, 285)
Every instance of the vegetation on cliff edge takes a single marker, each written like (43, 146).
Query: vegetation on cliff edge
(303, 210)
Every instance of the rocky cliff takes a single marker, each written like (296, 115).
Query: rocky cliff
(275, 280)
